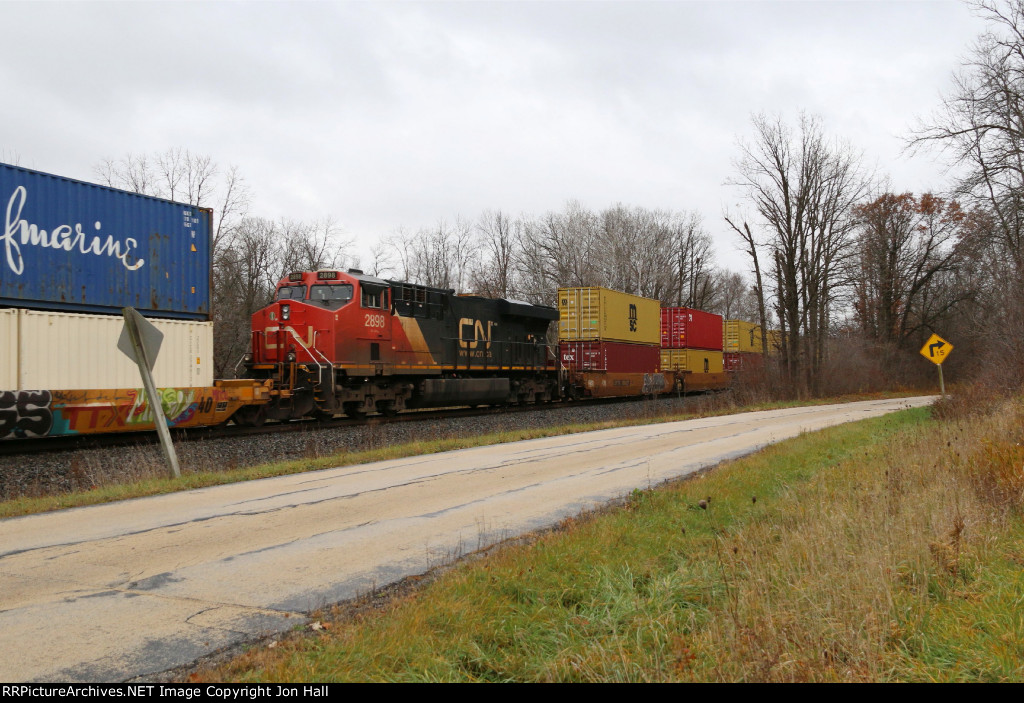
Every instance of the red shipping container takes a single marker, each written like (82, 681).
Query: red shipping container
(731, 361)
(743, 361)
(613, 357)
(686, 328)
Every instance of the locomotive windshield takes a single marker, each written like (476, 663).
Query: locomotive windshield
(331, 296)
(291, 292)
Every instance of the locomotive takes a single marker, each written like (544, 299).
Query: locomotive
(345, 342)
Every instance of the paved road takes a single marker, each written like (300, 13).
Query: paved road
(116, 591)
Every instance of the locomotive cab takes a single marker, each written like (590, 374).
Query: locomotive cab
(318, 317)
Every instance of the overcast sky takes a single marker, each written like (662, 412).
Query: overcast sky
(401, 114)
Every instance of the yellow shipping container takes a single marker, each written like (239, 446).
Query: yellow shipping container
(694, 360)
(741, 336)
(609, 315)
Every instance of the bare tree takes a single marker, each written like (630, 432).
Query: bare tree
(752, 246)
(693, 271)
(172, 166)
(309, 246)
(132, 172)
(803, 187)
(383, 261)
(495, 275)
(248, 266)
(735, 297)
(904, 244)
(570, 242)
(981, 124)
(535, 269)
(654, 253)
(441, 256)
(232, 204)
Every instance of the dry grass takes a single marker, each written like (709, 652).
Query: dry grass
(851, 578)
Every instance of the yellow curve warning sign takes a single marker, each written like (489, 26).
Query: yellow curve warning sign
(936, 349)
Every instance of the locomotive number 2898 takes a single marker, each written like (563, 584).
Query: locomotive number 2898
(374, 320)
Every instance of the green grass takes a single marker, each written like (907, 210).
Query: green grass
(151, 481)
(884, 550)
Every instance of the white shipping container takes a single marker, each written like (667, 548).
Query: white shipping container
(63, 351)
(8, 349)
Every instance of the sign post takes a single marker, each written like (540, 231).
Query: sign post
(140, 341)
(935, 350)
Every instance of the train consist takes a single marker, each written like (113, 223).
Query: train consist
(331, 342)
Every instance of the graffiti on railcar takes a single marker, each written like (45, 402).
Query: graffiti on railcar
(97, 411)
(25, 414)
(41, 413)
(178, 404)
(653, 383)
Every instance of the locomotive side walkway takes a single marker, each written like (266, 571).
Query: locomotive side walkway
(126, 589)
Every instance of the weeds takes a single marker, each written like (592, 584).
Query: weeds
(969, 400)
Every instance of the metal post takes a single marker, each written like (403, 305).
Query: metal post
(155, 406)
(942, 384)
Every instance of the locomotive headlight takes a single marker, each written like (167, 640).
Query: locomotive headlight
(291, 356)
(248, 358)
(286, 311)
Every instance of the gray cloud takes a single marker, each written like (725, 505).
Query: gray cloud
(387, 114)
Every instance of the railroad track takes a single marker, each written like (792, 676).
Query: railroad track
(49, 445)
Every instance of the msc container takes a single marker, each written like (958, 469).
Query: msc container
(692, 360)
(741, 336)
(8, 349)
(57, 351)
(614, 357)
(81, 247)
(689, 328)
(595, 313)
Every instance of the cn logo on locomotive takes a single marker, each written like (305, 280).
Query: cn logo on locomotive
(479, 333)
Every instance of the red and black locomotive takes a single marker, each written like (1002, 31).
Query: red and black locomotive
(337, 341)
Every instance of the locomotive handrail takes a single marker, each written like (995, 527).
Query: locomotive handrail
(319, 366)
(234, 369)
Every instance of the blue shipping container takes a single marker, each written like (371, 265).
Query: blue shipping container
(81, 247)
